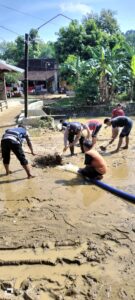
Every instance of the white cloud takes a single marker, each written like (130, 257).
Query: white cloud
(75, 7)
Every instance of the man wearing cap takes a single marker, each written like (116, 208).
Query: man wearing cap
(12, 141)
(95, 164)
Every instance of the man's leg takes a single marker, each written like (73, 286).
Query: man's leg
(90, 172)
(5, 148)
(71, 139)
(119, 143)
(71, 150)
(81, 140)
(18, 151)
(94, 139)
(7, 169)
(27, 169)
(127, 142)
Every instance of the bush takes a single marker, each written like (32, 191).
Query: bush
(123, 97)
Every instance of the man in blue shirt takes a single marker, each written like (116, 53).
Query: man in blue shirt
(12, 141)
(121, 121)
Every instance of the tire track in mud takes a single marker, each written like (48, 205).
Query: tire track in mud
(68, 269)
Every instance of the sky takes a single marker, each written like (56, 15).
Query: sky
(20, 16)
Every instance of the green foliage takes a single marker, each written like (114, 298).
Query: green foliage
(95, 57)
(45, 122)
(47, 50)
(69, 41)
(133, 65)
(12, 77)
(13, 52)
(88, 87)
(70, 69)
(107, 21)
(130, 37)
(123, 97)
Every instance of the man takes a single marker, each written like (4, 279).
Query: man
(118, 111)
(95, 163)
(12, 141)
(94, 126)
(63, 123)
(124, 122)
(72, 134)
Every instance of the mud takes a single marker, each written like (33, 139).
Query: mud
(60, 237)
(48, 160)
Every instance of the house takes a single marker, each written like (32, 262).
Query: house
(4, 67)
(42, 75)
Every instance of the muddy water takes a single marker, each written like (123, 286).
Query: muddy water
(68, 239)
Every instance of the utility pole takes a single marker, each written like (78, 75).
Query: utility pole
(27, 59)
(26, 76)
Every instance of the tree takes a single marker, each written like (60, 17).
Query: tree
(130, 37)
(47, 50)
(70, 70)
(106, 21)
(69, 41)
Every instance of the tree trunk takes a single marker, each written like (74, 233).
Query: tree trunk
(3, 95)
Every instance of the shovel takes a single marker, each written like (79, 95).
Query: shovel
(103, 148)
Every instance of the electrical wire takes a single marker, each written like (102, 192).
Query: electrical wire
(21, 12)
(6, 28)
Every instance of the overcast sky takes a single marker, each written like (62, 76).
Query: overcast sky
(21, 16)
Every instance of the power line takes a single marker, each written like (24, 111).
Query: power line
(21, 12)
(53, 19)
(3, 27)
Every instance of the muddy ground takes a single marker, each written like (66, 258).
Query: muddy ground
(60, 237)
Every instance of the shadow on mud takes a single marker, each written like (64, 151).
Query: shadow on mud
(71, 182)
(12, 180)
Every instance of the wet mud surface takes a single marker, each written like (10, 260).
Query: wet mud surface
(60, 237)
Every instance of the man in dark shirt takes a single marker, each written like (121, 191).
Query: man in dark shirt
(12, 141)
(124, 122)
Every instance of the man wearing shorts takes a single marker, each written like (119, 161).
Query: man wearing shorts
(12, 141)
(124, 122)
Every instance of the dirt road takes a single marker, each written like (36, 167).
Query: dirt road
(61, 238)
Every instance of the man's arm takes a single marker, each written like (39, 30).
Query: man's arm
(78, 135)
(66, 133)
(29, 144)
(88, 131)
(114, 134)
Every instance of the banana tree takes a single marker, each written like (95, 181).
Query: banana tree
(133, 77)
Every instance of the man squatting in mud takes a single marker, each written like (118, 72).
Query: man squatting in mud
(95, 164)
(12, 141)
(124, 122)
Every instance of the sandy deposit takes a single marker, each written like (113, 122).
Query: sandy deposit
(61, 238)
